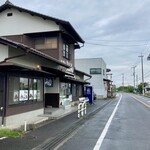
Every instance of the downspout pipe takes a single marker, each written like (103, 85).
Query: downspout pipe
(74, 38)
(88, 78)
(82, 45)
(4, 100)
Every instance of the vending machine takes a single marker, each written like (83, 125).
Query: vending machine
(89, 93)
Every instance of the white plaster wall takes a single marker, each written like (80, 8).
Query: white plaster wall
(28, 116)
(3, 52)
(21, 22)
(96, 80)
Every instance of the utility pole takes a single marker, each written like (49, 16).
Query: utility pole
(134, 75)
(136, 83)
(142, 73)
(123, 79)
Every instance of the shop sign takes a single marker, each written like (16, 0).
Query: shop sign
(49, 82)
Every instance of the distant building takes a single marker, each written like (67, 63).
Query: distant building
(96, 67)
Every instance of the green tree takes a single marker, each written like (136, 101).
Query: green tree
(140, 88)
(129, 88)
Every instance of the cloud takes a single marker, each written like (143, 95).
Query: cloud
(105, 21)
(114, 27)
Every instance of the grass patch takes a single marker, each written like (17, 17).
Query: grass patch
(10, 133)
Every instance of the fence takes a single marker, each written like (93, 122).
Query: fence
(82, 107)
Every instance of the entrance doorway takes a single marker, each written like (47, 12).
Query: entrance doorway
(1, 97)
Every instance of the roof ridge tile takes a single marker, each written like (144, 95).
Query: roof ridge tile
(8, 2)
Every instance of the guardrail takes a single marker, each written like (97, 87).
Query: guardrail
(82, 107)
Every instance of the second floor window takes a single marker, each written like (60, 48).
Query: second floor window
(46, 43)
(66, 50)
(95, 71)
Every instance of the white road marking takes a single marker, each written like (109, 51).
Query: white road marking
(103, 134)
(2, 138)
(141, 101)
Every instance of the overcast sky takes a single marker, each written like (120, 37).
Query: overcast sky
(116, 30)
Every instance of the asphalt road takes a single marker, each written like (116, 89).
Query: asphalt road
(126, 127)
(53, 130)
(123, 124)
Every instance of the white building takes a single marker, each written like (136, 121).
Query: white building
(96, 67)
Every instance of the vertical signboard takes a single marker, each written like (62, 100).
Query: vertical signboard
(89, 93)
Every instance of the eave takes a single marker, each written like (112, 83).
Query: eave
(17, 68)
(11, 43)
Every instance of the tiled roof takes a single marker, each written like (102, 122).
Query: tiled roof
(14, 44)
(8, 2)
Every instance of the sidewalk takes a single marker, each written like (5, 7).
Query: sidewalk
(50, 114)
(56, 113)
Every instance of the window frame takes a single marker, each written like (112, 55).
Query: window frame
(15, 90)
(45, 44)
(95, 71)
(66, 50)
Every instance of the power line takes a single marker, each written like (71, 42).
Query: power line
(146, 76)
(115, 45)
(146, 73)
(132, 40)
